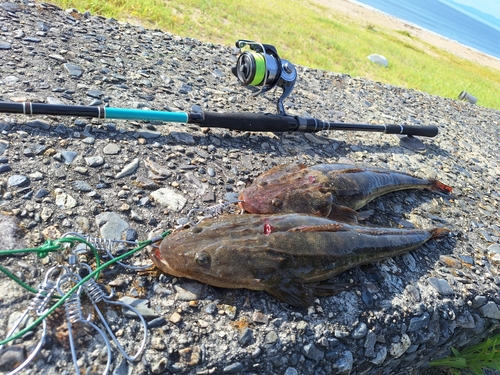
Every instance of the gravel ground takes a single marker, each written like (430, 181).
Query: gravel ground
(125, 178)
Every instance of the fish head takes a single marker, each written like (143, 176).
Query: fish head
(229, 252)
(287, 189)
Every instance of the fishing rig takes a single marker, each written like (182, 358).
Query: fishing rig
(65, 285)
(72, 281)
(258, 65)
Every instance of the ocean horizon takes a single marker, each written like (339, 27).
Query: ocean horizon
(447, 18)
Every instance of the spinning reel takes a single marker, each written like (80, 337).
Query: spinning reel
(260, 65)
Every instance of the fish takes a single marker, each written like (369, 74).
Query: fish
(330, 190)
(290, 255)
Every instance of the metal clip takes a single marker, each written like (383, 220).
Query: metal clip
(96, 295)
(109, 246)
(74, 314)
(38, 305)
(204, 213)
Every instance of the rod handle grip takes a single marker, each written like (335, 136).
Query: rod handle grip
(257, 122)
(424, 131)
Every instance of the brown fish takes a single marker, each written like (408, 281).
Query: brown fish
(330, 190)
(286, 255)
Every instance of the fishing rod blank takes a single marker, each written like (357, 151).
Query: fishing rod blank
(244, 121)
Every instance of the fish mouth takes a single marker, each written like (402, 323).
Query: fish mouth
(161, 263)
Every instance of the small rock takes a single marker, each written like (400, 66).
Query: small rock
(271, 337)
(12, 356)
(169, 198)
(360, 331)
(18, 180)
(419, 322)
(441, 285)
(111, 225)
(233, 368)
(188, 292)
(128, 169)
(75, 71)
(246, 337)
(380, 357)
(175, 318)
(311, 351)
(344, 363)
(82, 186)
(490, 310)
(479, 301)
(94, 161)
(4, 168)
(141, 305)
(157, 322)
(159, 367)
(111, 149)
(259, 317)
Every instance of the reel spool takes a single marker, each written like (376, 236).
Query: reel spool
(260, 65)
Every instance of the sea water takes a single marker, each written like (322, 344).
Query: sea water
(447, 18)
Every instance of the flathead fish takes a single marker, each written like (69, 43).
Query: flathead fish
(286, 255)
(329, 190)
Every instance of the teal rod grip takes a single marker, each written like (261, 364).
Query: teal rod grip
(139, 114)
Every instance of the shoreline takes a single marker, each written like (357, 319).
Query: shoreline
(365, 13)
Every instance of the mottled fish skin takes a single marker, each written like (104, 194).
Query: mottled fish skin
(286, 255)
(330, 190)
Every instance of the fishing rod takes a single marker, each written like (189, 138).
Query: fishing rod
(258, 65)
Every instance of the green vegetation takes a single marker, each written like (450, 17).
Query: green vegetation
(311, 35)
(476, 359)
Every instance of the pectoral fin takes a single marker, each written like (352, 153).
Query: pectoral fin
(330, 289)
(294, 293)
(343, 214)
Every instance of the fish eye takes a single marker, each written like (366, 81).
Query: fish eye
(276, 202)
(202, 259)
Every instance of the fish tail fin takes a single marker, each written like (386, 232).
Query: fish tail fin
(439, 186)
(439, 232)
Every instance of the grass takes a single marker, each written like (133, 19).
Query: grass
(475, 359)
(313, 36)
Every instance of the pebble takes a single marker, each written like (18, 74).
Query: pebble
(490, 310)
(157, 322)
(246, 337)
(18, 180)
(74, 71)
(345, 363)
(128, 169)
(64, 200)
(82, 186)
(233, 368)
(141, 305)
(311, 351)
(111, 225)
(360, 331)
(169, 198)
(418, 322)
(4, 168)
(271, 337)
(188, 292)
(94, 161)
(111, 149)
(441, 285)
